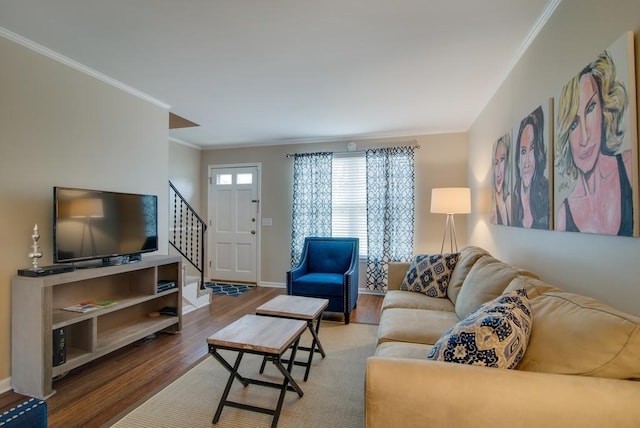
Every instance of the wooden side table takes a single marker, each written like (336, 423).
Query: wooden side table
(266, 336)
(308, 309)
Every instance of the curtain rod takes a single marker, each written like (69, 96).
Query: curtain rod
(415, 146)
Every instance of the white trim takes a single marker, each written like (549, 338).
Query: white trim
(533, 33)
(184, 143)
(283, 285)
(10, 35)
(5, 385)
(367, 291)
(335, 139)
(272, 284)
(258, 167)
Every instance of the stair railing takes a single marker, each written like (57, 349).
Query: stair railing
(187, 231)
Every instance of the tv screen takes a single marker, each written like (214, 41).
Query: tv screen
(94, 224)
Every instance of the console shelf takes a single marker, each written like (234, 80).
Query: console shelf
(37, 311)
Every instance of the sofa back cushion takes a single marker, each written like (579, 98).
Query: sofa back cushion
(468, 256)
(397, 272)
(533, 286)
(486, 280)
(578, 335)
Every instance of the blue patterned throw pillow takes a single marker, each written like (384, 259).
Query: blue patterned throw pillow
(494, 335)
(430, 274)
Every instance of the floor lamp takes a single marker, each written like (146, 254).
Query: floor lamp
(87, 209)
(450, 201)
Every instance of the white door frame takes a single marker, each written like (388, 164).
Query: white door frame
(258, 166)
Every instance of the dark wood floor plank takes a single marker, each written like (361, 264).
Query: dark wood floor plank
(103, 390)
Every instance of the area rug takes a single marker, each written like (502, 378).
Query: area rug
(333, 395)
(227, 288)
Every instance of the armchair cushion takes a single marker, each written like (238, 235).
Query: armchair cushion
(328, 284)
(430, 274)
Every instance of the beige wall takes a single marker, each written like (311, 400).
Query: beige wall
(185, 174)
(440, 162)
(600, 266)
(61, 127)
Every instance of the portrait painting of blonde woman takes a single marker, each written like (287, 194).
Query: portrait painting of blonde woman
(595, 174)
(501, 193)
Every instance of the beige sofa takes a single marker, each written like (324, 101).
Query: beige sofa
(581, 367)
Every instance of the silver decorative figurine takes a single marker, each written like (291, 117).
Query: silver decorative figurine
(35, 254)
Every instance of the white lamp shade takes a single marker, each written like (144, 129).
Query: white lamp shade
(451, 200)
(82, 208)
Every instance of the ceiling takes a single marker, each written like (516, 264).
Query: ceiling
(253, 72)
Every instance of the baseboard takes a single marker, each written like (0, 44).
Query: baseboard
(367, 291)
(5, 385)
(282, 285)
(272, 284)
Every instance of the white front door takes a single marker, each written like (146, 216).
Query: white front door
(233, 218)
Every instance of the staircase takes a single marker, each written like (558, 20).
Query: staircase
(187, 233)
(193, 297)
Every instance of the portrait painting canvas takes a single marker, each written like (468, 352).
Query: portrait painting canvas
(501, 162)
(531, 195)
(596, 146)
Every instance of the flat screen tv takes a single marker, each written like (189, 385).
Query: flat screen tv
(95, 224)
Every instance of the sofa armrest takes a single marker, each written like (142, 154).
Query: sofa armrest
(397, 272)
(420, 393)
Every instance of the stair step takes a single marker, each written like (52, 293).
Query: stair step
(192, 296)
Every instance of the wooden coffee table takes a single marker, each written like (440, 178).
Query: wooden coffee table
(308, 309)
(266, 336)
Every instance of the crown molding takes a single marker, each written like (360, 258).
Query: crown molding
(184, 143)
(332, 139)
(533, 33)
(29, 44)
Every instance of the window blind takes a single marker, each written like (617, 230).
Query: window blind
(349, 200)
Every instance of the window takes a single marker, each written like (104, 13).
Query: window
(224, 179)
(349, 198)
(244, 178)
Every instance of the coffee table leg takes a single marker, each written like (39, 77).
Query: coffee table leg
(315, 342)
(286, 372)
(264, 363)
(316, 338)
(233, 374)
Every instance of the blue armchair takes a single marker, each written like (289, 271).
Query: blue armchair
(328, 269)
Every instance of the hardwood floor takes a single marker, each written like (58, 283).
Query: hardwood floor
(99, 393)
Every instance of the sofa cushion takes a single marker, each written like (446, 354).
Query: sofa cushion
(410, 300)
(486, 280)
(397, 271)
(574, 334)
(415, 351)
(414, 325)
(468, 256)
(533, 286)
(429, 274)
(494, 335)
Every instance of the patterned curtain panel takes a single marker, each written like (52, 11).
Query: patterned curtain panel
(311, 199)
(390, 211)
